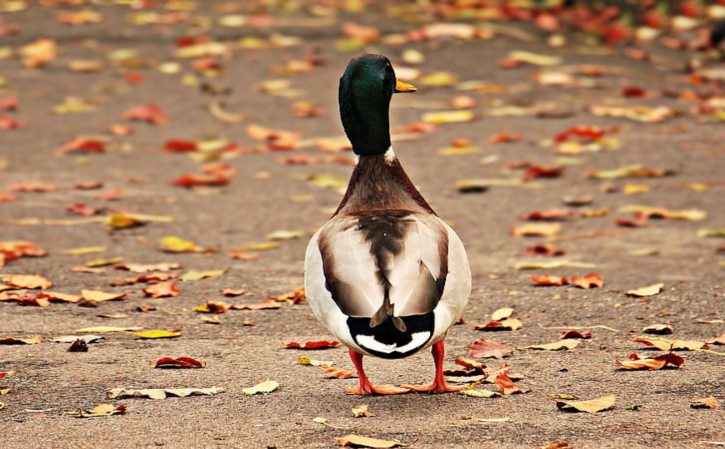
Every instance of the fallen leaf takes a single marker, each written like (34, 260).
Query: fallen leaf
(557, 444)
(361, 441)
(158, 333)
(591, 406)
(181, 362)
(172, 244)
(100, 410)
(651, 363)
(502, 314)
(27, 281)
(658, 329)
(361, 411)
(504, 382)
(665, 344)
(442, 117)
(262, 388)
(150, 113)
(320, 344)
(482, 348)
(71, 338)
(339, 373)
(536, 229)
(709, 402)
(591, 280)
(162, 290)
(548, 280)
(478, 393)
(262, 305)
(141, 268)
(631, 171)
(196, 275)
(78, 346)
(649, 290)
(99, 296)
(511, 324)
(213, 307)
(555, 346)
(573, 333)
(161, 393)
(21, 341)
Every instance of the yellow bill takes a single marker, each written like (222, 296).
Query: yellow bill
(402, 86)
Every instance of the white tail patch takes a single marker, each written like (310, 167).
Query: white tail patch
(370, 343)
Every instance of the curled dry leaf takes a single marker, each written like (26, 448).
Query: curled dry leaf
(150, 113)
(99, 296)
(665, 344)
(548, 280)
(572, 333)
(651, 364)
(21, 341)
(181, 362)
(649, 290)
(482, 348)
(162, 290)
(320, 344)
(27, 281)
(510, 324)
(361, 441)
(504, 382)
(100, 411)
(502, 314)
(709, 402)
(555, 346)
(262, 388)
(591, 406)
(161, 393)
(172, 244)
(591, 280)
(339, 373)
(361, 411)
(267, 304)
(196, 275)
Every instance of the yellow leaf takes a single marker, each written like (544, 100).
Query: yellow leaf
(438, 79)
(362, 410)
(84, 250)
(534, 58)
(263, 388)
(172, 244)
(441, 117)
(261, 246)
(158, 333)
(665, 344)
(99, 296)
(502, 314)
(162, 393)
(195, 275)
(649, 290)
(360, 441)
(328, 181)
(591, 406)
(285, 235)
(568, 343)
(479, 393)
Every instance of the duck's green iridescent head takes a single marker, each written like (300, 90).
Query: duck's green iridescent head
(366, 88)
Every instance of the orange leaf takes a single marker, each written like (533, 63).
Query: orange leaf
(263, 305)
(504, 382)
(29, 281)
(331, 371)
(99, 296)
(651, 364)
(591, 280)
(162, 290)
(150, 113)
(547, 279)
(320, 344)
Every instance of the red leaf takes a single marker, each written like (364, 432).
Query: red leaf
(320, 344)
(150, 113)
(543, 249)
(181, 362)
(90, 144)
(639, 220)
(488, 348)
(548, 215)
(572, 333)
(82, 209)
(180, 146)
(7, 122)
(538, 171)
(504, 382)
(8, 104)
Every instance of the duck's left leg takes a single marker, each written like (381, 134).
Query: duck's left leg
(439, 383)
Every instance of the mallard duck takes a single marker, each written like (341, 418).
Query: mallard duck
(385, 275)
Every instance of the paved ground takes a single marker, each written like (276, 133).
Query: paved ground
(266, 195)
